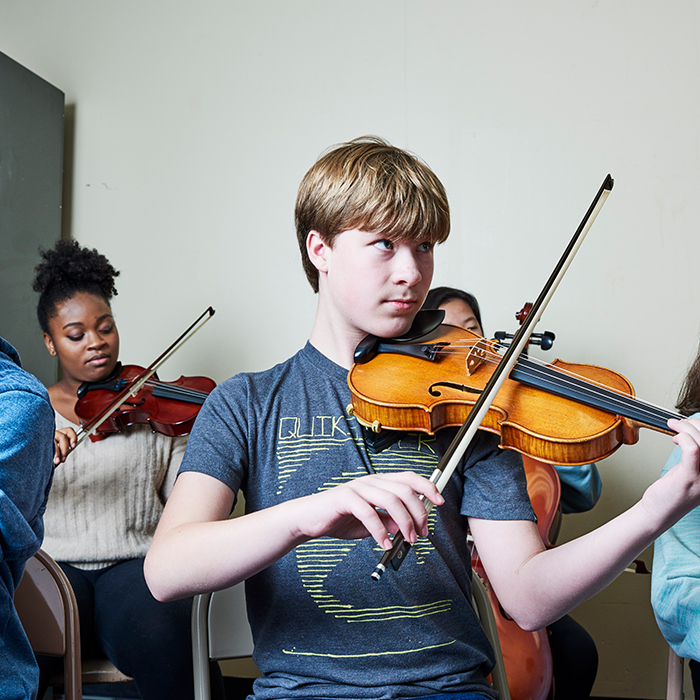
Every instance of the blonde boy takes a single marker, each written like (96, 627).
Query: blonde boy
(320, 506)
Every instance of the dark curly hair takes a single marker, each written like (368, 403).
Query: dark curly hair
(66, 270)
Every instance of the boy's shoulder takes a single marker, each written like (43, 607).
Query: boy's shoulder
(307, 362)
(306, 378)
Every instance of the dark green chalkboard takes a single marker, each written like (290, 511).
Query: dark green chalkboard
(31, 176)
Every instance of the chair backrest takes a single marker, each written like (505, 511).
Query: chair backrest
(46, 606)
(483, 608)
(220, 630)
(674, 683)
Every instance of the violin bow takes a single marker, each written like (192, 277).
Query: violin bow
(139, 381)
(454, 453)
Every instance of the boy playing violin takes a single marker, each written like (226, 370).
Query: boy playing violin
(320, 506)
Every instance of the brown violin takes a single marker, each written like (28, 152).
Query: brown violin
(558, 412)
(527, 656)
(169, 408)
(133, 394)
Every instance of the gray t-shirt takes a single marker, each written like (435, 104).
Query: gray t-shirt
(322, 627)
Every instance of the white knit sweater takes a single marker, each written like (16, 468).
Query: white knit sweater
(107, 497)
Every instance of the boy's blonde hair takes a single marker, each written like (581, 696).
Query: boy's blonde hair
(370, 185)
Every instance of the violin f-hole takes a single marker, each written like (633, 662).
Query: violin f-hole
(432, 390)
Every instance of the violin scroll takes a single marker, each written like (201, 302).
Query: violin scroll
(545, 339)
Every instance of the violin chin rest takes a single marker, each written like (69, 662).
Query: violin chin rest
(425, 322)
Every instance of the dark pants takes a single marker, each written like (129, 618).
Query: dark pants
(574, 657)
(695, 677)
(145, 639)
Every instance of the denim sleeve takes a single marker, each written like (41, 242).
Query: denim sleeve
(26, 469)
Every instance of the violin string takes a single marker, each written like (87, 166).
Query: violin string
(601, 392)
(175, 390)
(494, 357)
(597, 389)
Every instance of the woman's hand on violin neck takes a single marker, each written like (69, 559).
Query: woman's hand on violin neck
(376, 505)
(678, 491)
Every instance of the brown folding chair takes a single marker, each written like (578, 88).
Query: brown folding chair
(47, 608)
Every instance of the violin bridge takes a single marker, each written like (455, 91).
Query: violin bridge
(477, 356)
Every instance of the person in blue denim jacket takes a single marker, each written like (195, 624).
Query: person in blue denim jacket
(26, 470)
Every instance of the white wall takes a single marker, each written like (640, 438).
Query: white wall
(194, 122)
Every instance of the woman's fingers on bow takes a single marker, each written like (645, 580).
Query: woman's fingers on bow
(64, 440)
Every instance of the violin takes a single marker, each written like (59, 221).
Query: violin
(527, 656)
(558, 412)
(169, 408)
(133, 394)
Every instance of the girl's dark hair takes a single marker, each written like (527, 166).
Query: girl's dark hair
(441, 295)
(689, 396)
(66, 270)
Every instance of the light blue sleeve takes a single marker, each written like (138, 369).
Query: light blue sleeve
(580, 487)
(675, 581)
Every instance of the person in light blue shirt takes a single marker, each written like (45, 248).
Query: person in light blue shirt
(26, 470)
(675, 580)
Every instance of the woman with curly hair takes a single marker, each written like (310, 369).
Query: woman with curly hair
(108, 495)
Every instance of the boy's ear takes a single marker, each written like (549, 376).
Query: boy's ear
(317, 249)
(48, 341)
